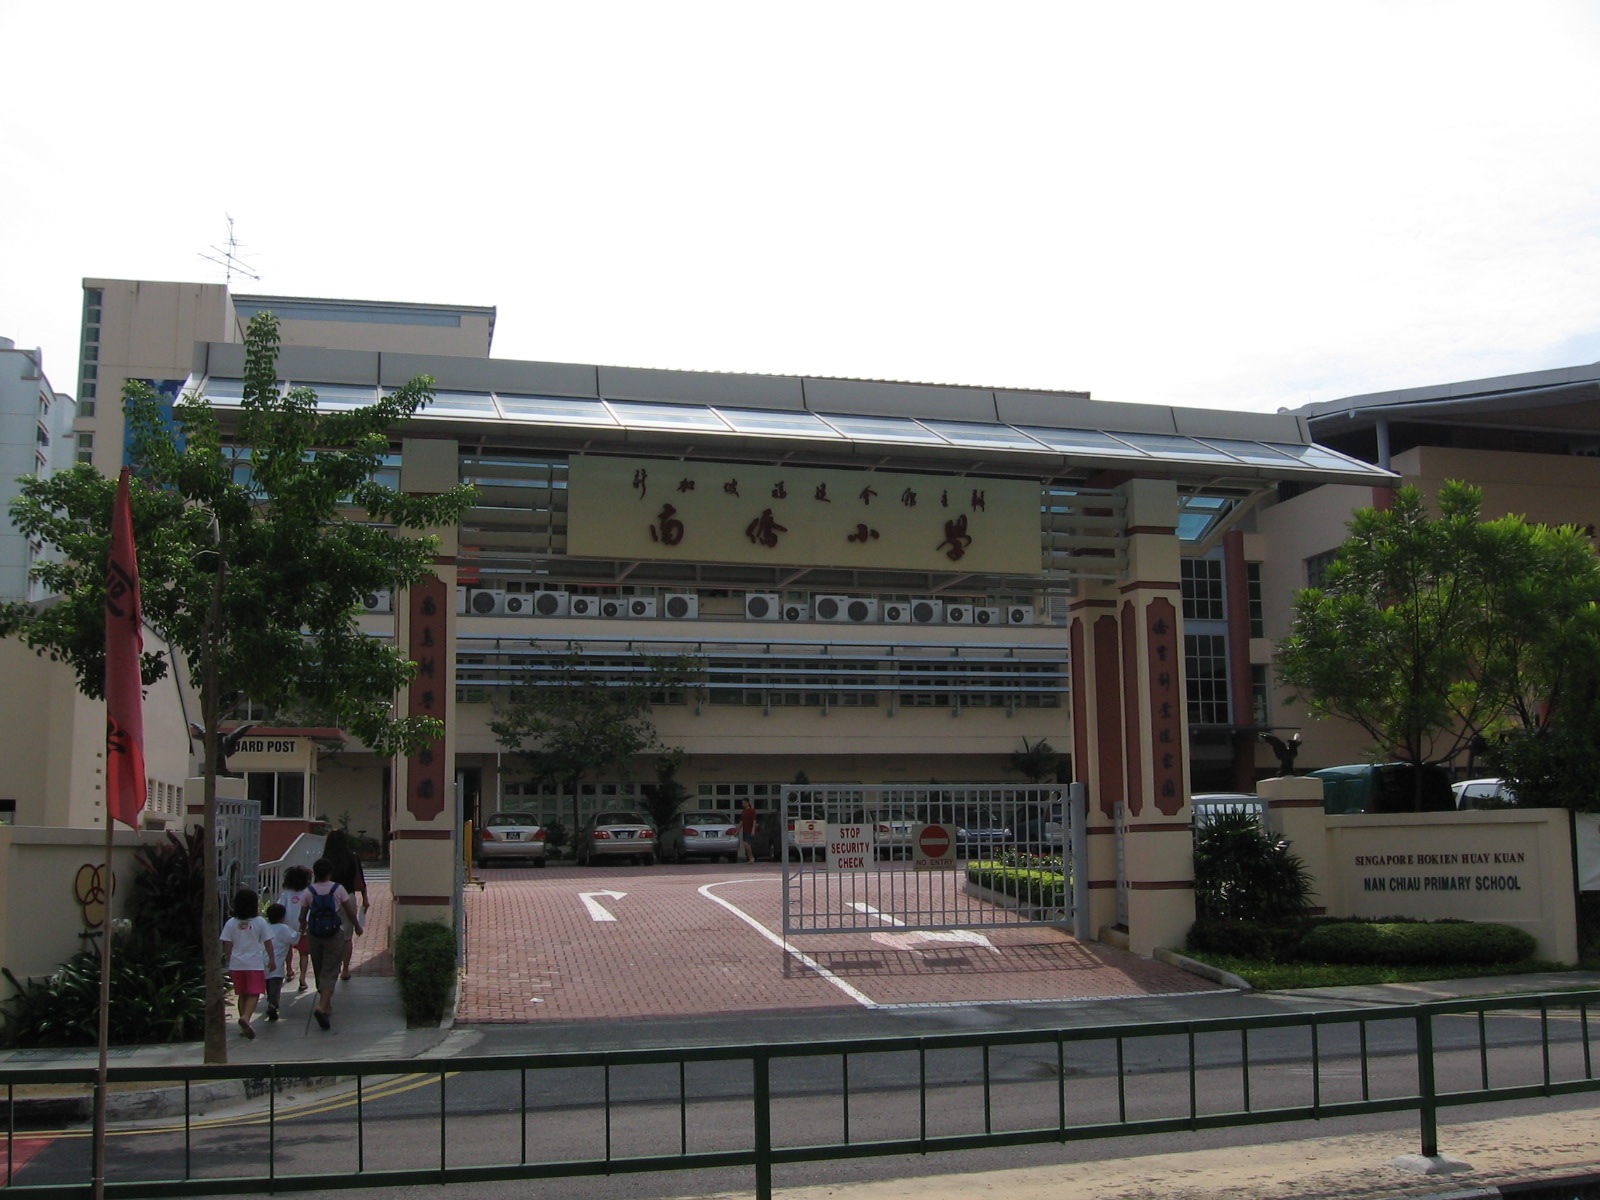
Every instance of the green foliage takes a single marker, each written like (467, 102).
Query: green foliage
(1277, 976)
(567, 721)
(157, 995)
(664, 797)
(1031, 879)
(557, 837)
(1431, 630)
(1417, 943)
(1241, 872)
(425, 969)
(1036, 763)
(1261, 941)
(169, 891)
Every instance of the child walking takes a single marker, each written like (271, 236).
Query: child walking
(248, 943)
(294, 897)
(283, 939)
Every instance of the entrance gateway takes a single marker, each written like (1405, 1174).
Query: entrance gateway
(863, 858)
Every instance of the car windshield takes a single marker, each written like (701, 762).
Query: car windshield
(620, 818)
(707, 818)
(512, 819)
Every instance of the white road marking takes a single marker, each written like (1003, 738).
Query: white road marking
(597, 911)
(855, 994)
(904, 941)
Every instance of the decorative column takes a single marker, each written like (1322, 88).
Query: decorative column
(424, 830)
(1130, 731)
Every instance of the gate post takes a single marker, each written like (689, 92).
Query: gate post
(1130, 727)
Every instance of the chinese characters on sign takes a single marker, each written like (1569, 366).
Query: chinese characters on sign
(425, 771)
(1166, 705)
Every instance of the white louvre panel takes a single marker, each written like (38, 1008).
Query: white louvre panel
(583, 606)
(549, 604)
(795, 611)
(1019, 614)
(762, 606)
(377, 602)
(516, 605)
(615, 607)
(986, 616)
(642, 608)
(682, 606)
(483, 602)
(461, 600)
(927, 612)
(958, 614)
(897, 612)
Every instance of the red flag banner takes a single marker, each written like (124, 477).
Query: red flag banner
(125, 787)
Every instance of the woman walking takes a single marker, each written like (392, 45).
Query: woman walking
(330, 912)
(347, 873)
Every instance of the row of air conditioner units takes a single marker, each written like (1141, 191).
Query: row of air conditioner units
(864, 610)
(492, 602)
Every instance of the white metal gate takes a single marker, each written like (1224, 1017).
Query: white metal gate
(866, 857)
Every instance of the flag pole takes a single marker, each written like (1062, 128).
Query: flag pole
(124, 777)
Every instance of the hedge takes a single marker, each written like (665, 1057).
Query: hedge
(425, 969)
(1041, 888)
(1416, 944)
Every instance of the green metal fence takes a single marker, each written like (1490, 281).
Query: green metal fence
(549, 1116)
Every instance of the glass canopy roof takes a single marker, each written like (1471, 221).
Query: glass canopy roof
(1218, 454)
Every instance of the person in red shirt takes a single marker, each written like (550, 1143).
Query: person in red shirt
(747, 831)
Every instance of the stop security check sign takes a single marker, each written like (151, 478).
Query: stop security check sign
(933, 848)
(849, 847)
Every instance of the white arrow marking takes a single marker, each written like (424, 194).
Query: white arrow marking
(597, 911)
(968, 936)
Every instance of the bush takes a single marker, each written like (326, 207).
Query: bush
(1243, 873)
(168, 895)
(425, 969)
(157, 995)
(1264, 941)
(1458, 943)
(1028, 878)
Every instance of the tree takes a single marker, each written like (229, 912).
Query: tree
(254, 554)
(1431, 631)
(1036, 763)
(664, 797)
(567, 722)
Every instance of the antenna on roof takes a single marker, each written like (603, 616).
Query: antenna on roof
(229, 259)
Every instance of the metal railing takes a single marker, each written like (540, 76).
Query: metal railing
(389, 1123)
(304, 851)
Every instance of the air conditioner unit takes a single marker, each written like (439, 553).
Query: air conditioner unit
(614, 606)
(986, 616)
(461, 600)
(859, 610)
(762, 606)
(517, 605)
(958, 614)
(927, 612)
(1019, 614)
(682, 606)
(482, 602)
(549, 604)
(377, 602)
(897, 612)
(796, 611)
(583, 606)
(831, 608)
(642, 608)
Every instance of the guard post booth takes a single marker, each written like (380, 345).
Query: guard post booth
(279, 767)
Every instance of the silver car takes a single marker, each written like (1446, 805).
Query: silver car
(624, 835)
(712, 834)
(511, 835)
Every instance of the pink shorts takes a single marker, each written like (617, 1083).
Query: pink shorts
(249, 983)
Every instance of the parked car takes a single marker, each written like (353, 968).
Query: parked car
(713, 834)
(507, 835)
(978, 829)
(892, 831)
(1384, 788)
(616, 835)
(1042, 829)
(1483, 793)
(770, 837)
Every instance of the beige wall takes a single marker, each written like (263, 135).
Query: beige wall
(349, 783)
(471, 340)
(42, 919)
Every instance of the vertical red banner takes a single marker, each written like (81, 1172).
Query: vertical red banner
(426, 775)
(125, 786)
(1168, 709)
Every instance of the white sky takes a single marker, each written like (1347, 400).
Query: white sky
(1235, 205)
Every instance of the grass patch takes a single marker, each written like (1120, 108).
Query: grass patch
(1272, 977)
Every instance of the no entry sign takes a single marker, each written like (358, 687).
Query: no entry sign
(933, 848)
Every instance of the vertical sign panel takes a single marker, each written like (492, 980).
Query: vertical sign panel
(425, 770)
(1166, 705)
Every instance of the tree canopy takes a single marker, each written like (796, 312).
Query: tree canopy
(1431, 631)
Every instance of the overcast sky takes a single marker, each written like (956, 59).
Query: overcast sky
(1233, 205)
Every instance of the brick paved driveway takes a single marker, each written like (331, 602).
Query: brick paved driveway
(684, 940)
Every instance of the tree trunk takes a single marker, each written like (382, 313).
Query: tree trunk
(216, 1024)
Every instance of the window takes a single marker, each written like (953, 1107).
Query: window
(86, 447)
(1205, 661)
(1260, 704)
(1317, 568)
(1202, 589)
(280, 793)
(1253, 601)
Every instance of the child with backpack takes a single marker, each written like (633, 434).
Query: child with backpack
(323, 920)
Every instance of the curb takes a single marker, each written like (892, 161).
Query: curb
(158, 1102)
(1204, 970)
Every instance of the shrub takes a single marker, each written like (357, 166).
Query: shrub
(425, 969)
(1243, 873)
(1264, 941)
(1460, 943)
(1029, 878)
(169, 892)
(157, 995)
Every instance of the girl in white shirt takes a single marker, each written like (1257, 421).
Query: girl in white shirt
(247, 938)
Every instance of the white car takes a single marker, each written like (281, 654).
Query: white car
(713, 834)
(1483, 793)
(511, 835)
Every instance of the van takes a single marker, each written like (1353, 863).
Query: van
(1384, 788)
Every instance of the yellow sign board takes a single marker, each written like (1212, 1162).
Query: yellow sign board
(657, 509)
